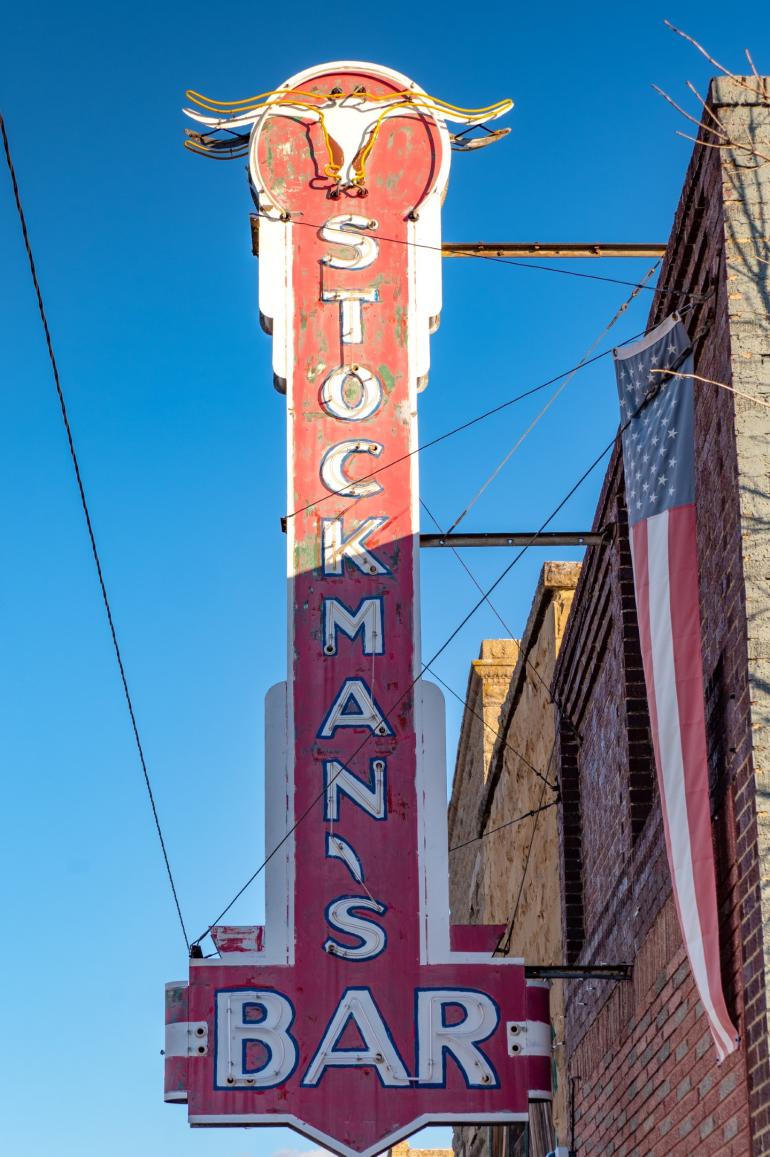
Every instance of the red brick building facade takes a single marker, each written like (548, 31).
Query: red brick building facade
(639, 1054)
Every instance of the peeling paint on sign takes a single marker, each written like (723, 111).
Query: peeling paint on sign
(352, 1016)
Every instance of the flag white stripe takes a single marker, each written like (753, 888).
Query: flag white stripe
(673, 772)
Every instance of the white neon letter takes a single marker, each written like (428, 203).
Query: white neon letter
(368, 619)
(336, 546)
(370, 796)
(436, 1038)
(357, 1005)
(345, 230)
(333, 465)
(339, 404)
(351, 303)
(341, 915)
(354, 707)
(235, 1032)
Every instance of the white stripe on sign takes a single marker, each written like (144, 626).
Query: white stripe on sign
(672, 776)
(186, 1038)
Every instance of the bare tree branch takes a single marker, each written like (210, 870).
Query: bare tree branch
(762, 159)
(751, 62)
(687, 115)
(726, 71)
(708, 109)
(722, 385)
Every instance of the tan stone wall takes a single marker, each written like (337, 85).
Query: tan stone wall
(404, 1149)
(488, 683)
(494, 783)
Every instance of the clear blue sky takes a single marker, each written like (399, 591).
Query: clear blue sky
(144, 258)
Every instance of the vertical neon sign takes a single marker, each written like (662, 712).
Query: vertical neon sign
(357, 1014)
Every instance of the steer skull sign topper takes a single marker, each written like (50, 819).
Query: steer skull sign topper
(358, 1012)
(350, 116)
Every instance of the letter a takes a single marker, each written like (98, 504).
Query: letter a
(379, 1052)
(354, 707)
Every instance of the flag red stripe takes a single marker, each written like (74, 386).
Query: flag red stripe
(685, 627)
(665, 581)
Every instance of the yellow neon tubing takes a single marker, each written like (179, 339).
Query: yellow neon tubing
(264, 99)
(253, 102)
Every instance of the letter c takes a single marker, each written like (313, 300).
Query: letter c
(333, 466)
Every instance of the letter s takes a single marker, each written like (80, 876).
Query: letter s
(345, 230)
(372, 938)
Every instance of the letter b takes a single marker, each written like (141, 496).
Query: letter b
(275, 1060)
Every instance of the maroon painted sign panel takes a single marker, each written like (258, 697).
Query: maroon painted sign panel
(356, 1015)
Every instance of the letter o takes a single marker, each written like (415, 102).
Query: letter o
(333, 397)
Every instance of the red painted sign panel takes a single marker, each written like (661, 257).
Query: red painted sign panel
(357, 1014)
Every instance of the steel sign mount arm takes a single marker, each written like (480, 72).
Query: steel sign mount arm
(357, 1014)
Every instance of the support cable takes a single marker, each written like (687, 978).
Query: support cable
(465, 425)
(504, 944)
(89, 526)
(424, 667)
(671, 372)
(509, 632)
(557, 392)
(508, 823)
(490, 727)
(565, 381)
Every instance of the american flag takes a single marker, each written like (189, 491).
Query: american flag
(658, 459)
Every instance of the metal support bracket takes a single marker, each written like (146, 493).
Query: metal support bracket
(520, 249)
(616, 972)
(516, 538)
(514, 249)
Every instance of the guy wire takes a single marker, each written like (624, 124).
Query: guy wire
(423, 667)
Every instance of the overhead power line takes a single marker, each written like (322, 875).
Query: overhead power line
(89, 525)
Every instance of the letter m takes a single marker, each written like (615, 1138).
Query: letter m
(366, 619)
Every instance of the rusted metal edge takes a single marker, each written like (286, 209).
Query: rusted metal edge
(516, 538)
(578, 971)
(522, 248)
(550, 249)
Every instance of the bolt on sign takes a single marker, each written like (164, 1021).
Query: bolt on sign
(358, 1013)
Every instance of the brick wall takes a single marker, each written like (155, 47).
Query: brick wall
(640, 1054)
(645, 1079)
